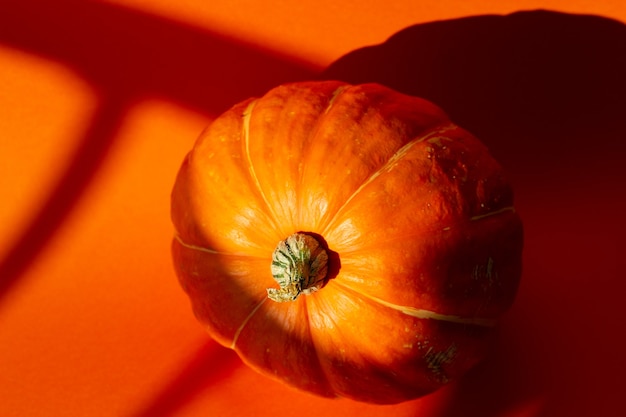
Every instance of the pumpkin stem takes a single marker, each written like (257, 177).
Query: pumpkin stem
(299, 265)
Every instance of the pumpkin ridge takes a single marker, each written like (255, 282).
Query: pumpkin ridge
(431, 230)
(246, 116)
(187, 245)
(244, 322)
(492, 213)
(319, 122)
(421, 313)
(388, 167)
(323, 371)
(335, 95)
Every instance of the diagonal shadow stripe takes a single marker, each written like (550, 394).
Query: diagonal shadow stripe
(126, 55)
(87, 159)
(137, 54)
(209, 365)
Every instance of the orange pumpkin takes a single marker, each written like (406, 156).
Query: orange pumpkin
(347, 240)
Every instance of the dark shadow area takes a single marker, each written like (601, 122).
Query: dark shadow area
(211, 364)
(534, 86)
(503, 384)
(546, 92)
(88, 157)
(126, 55)
(129, 52)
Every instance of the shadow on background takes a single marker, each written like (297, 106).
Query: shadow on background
(126, 56)
(547, 93)
(208, 366)
(534, 86)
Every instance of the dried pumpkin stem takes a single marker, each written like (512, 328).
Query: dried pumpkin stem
(299, 266)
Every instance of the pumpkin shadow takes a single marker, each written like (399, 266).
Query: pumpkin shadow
(523, 83)
(546, 92)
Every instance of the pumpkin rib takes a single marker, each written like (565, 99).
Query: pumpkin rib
(245, 321)
(320, 338)
(388, 167)
(324, 117)
(315, 344)
(335, 95)
(319, 123)
(245, 125)
(432, 230)
(421, 313)
(502, 210)
(180, 240)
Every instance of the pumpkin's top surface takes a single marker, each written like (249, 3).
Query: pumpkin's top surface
(414, 217)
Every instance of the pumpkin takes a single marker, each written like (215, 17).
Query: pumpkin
(348, 240)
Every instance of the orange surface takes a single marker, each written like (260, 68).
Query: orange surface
(99, 102)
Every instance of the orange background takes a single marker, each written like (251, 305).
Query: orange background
(100, 101)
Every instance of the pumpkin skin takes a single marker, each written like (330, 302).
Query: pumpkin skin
(416, 218)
